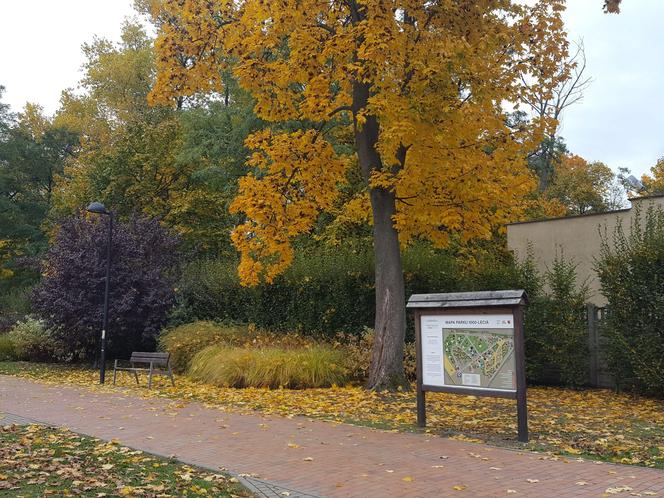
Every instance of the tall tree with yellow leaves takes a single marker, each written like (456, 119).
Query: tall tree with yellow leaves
(584, 187)
(655, 184)
(420, 90)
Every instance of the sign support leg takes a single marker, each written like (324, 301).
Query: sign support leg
(421, 408)
(522, 416)
(519, 349)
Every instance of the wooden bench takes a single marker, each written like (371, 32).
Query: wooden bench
(159, 363)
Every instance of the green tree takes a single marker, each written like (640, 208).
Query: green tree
(177, 164)
(32, 152)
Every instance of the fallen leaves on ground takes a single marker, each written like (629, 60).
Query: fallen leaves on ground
(38, 461)
(596, 423)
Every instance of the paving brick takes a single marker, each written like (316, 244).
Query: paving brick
(347, 461)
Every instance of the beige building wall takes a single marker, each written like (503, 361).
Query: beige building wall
(577, 237)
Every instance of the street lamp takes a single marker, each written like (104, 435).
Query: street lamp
(98, 208)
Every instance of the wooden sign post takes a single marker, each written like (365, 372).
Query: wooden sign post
(471, 343)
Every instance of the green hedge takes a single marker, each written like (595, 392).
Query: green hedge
(325, 291)
(32, 341)
(631, 272)
(556, 327)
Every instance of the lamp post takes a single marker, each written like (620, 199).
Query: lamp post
(98, 208)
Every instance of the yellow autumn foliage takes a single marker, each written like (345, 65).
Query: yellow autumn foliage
(419, 91)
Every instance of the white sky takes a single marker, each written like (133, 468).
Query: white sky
(620, 121)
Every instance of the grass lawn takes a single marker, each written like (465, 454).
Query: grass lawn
(593, 423)
(38, 461)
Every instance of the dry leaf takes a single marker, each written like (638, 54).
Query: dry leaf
(616, 490)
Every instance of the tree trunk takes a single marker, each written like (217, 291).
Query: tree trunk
(386, 370)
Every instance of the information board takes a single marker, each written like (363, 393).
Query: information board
(471, 343)
(469, 351)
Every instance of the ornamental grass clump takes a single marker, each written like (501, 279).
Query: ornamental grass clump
(270, 367)
(185, 341)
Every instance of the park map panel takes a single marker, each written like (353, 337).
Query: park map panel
(479, 358)
(469, 351)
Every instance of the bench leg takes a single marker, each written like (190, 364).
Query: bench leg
(170, 374)
(115, 375)
(136, 375)
(150, 378)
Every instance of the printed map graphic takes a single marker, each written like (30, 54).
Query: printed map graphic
(479, 358)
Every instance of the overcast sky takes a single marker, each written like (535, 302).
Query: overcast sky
(620, 121)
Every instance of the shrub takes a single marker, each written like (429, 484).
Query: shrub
(185, 341)
(32, 341)
(16, 300)
(7, 352)
(7, 321)
(556, 328)
(317, 366)
(70, 295)
(14, 306)
(325, 291)
(357, 352)
(631, 273)
(210, 289)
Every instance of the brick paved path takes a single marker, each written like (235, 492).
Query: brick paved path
(316, 457)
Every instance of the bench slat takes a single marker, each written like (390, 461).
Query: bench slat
(154, 358)
(154, 363)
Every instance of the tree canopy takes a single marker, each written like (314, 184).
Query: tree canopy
(157, 161)
(584, 187)
(33, 151)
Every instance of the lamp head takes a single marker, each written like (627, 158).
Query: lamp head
(97, 208)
